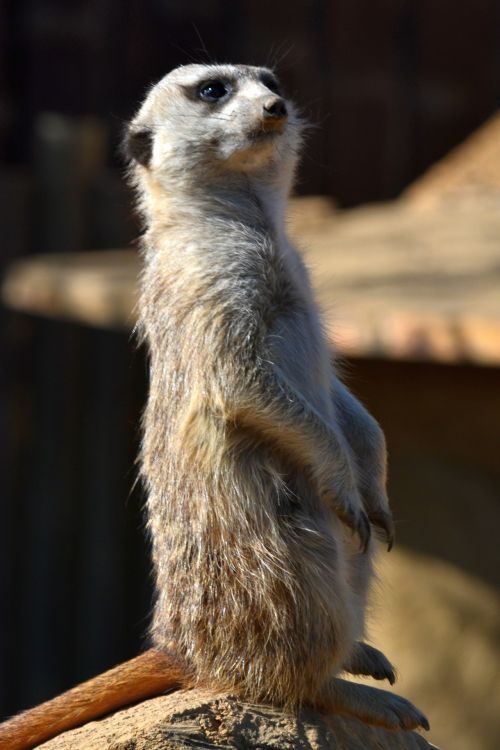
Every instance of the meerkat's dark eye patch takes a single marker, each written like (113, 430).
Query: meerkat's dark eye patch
(138, 145)
(271, 83)
(214, 91)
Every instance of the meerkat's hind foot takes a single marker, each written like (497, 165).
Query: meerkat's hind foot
(370, 662)
(373, 706)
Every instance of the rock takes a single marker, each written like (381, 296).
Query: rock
(189, 719)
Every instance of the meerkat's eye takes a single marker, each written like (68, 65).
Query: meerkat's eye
(271, 83)
(213, 91)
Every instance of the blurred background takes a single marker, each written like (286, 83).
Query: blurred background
(398, 214)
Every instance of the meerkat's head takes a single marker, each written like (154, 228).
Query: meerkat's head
(206, 120)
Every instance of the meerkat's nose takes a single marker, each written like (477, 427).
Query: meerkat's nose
(275, 108)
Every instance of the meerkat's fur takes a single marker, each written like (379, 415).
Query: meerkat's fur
(264, 475)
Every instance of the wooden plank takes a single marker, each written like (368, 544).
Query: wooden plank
(393, 281)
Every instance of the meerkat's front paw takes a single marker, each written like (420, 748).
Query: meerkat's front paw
(348, 506)
(369, 661)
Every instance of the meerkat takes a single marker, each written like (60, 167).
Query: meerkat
(264, 475)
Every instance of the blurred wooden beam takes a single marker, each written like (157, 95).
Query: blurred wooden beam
(393, 281)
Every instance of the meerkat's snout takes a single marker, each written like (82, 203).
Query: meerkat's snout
(275, 109)
(274, 115)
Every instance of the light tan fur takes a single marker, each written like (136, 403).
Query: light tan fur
(264, 474)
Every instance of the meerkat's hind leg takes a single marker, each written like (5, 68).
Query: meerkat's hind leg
(369, 661)
(371, 705)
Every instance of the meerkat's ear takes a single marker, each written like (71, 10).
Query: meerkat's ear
(138, 145)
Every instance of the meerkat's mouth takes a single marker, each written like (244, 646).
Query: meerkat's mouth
(258, 135)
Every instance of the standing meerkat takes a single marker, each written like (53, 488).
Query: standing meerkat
(264, 475)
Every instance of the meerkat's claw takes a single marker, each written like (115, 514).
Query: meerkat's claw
(382, 520)
(359, 524)
(376, 505)
(364, 531)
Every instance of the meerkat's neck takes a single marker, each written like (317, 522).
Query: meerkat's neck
(273, 200)
(249, 200)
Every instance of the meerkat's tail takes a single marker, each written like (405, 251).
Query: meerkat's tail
(151, 673)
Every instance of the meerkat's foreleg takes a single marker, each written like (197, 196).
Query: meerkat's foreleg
(367, 442)
(275, 407)
(372, 705)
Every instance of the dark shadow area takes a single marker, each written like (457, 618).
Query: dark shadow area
(389, 87)
(75, 583)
